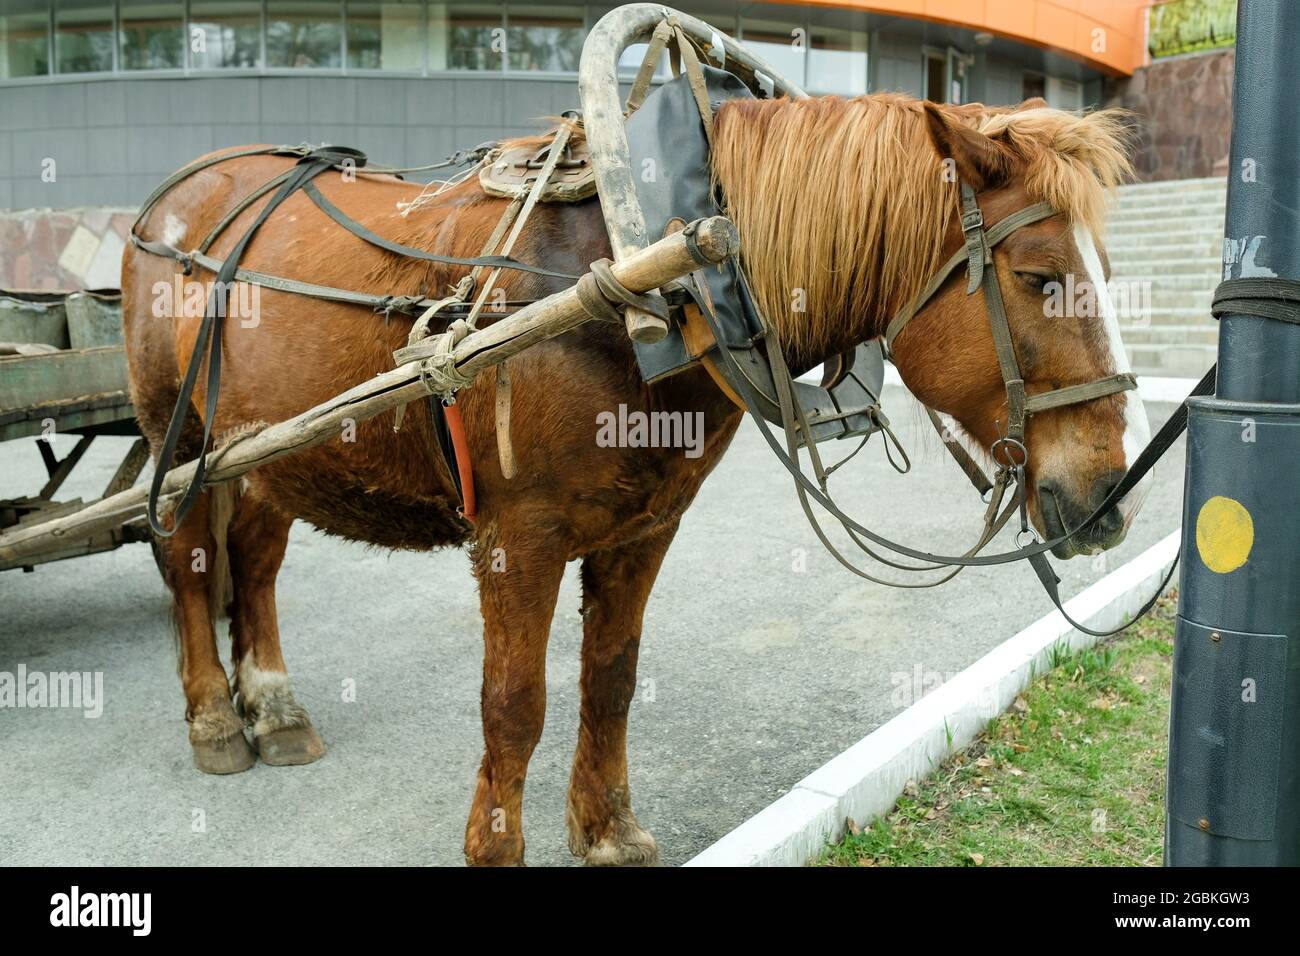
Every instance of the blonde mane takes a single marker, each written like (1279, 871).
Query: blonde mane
(842, 206)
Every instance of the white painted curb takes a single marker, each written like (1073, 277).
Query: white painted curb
(864, 781)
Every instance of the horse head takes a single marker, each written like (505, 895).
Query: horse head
(866, 211)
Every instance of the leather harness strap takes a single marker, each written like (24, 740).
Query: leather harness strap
(410, 252)
(311, 162)
(992, 237)
(207, 344)
(650, 62)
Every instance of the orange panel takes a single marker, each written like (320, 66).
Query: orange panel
(958, 11)
(1055, 27)
(1102, 42)
(1011, 19)
(1062, 25)
(1112, 13)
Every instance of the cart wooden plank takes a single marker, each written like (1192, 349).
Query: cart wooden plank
(34, 380)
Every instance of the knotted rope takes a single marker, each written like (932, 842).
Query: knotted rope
(438, 372)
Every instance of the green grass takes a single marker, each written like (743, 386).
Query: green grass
(1072, 775)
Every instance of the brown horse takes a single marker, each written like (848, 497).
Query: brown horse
(851, 201)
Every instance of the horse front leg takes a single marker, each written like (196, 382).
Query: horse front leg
(615, 587)
(519, 579)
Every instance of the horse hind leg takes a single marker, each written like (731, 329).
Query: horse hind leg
(615, 588)
(282, 731)
(193, 567)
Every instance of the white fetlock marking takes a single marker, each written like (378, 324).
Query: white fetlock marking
(267, 698)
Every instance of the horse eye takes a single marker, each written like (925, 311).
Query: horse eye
(1033, 280)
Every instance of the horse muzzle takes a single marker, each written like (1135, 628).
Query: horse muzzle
(1062, 512)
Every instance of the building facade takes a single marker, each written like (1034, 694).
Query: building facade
(100, 99)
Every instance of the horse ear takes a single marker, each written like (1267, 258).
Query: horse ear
(980, 160)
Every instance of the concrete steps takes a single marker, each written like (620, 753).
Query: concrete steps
(1164, 241)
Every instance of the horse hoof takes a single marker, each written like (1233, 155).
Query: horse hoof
(232, 755)
(291, 746)
(632, 850)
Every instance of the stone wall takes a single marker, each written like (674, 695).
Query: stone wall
(63, 250)
(1183, 108)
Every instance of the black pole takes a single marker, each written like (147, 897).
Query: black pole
(1234, 733)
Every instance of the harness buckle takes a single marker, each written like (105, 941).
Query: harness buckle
(971, 220)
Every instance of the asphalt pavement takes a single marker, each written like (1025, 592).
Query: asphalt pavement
(761, 659)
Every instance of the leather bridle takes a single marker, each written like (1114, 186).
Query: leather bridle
(1009, 451)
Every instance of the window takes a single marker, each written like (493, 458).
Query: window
(936, 78)
(385, 35)
(304, 34)
(466, 36)
(83, 36)
(837, 60)
(1034, 84)
(782, 43)
(24, 38)
(544, 38)
(225, 34)
(152, 35)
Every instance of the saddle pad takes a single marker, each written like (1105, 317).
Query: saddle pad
(670, 166)
(510, 173)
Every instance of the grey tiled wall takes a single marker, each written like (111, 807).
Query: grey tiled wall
(113, 140)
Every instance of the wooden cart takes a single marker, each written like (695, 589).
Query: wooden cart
(46, 390)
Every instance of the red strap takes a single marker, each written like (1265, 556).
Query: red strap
(456, 426)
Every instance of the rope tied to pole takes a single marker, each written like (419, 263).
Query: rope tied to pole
(438, 372)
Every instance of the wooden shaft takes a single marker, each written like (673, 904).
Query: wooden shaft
(670, 258)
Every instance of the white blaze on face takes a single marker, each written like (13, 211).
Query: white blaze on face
(1137, 432)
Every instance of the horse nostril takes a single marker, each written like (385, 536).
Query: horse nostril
(1104, 485)
(1101, 490)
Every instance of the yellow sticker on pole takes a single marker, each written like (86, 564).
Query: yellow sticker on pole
(1225, 534)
